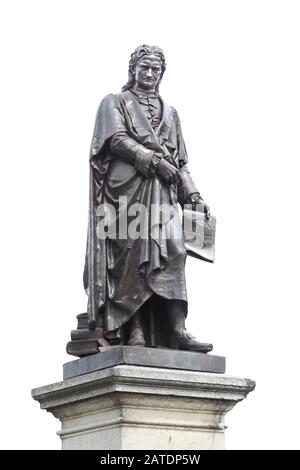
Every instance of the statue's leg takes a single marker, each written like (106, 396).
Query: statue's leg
(136, 337)
(179, 338)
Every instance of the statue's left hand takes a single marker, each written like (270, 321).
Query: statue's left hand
(195, 199)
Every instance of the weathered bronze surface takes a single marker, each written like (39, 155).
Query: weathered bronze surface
(136, 285)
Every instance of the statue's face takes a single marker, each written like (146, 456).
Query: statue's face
(147, 72)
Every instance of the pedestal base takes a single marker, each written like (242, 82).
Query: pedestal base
(136, 407)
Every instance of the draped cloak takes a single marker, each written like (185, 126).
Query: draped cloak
(121, 274)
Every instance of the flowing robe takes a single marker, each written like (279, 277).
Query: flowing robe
(121, 274)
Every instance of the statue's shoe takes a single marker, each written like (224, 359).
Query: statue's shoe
(136, 338)
(188, 342)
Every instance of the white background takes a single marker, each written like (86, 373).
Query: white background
(233, 74)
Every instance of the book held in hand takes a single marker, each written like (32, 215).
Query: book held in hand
(199, 233)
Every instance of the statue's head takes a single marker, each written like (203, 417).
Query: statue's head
(146, 68)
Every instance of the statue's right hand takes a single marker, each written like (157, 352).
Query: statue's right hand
(168, 173)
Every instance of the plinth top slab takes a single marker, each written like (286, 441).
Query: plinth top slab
(139, 356)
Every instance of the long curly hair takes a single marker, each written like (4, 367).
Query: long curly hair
(140, 52)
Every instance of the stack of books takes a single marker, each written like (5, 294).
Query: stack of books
(83, 340)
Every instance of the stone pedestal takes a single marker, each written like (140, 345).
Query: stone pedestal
(137, 407)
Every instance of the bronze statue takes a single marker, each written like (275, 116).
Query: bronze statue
(136, 285)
